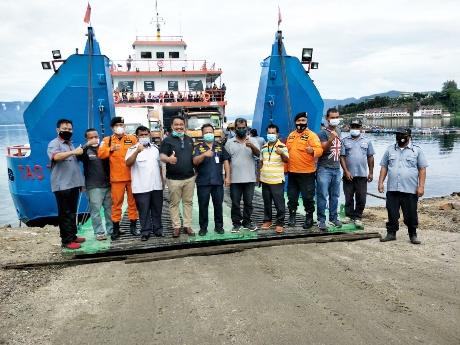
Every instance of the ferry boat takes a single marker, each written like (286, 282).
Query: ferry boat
(157, 81)
(80, 89)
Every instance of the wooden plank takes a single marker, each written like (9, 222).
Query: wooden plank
(70, 262)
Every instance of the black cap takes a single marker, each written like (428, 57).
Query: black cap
(115, 120)
(403, 130)
(356, 122)
(300, 115)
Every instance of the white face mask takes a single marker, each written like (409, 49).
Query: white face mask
(144, 141)
(355, 132)
(334, 122)
(119, 130)
(96, 145)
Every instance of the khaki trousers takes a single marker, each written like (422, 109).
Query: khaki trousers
(181, 190)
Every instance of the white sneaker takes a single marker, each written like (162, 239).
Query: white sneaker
(346, 220)
(358, 223)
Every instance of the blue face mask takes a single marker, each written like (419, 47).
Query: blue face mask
(144, 141)
(175, 134)
(271, 138)
(355, 132)
(208, 137)
(334, 122)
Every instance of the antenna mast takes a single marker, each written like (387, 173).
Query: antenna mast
(158, 20)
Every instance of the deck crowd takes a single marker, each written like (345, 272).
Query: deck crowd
(314, 164)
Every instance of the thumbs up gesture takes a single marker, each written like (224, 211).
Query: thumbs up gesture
(78, 151)
(209, 153)
(309, 149)
(173, 158)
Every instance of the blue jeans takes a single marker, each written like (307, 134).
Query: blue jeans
(100, 197)
(327, 190)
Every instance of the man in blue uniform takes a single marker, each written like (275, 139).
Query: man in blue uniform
(209, 157)
(405, 164)
(356, 155)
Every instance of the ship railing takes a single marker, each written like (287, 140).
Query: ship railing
(206, 96)
(18, 150)
(162, 65)
(162, 38)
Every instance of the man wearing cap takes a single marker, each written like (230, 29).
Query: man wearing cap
(115, 147)
(328, 176)
(303, 147)
(356, 156)
(405, 164)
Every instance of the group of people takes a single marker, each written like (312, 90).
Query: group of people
(312, 163)
(167, 97)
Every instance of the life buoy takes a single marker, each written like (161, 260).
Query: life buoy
(116, 98)
(207, 97)
(160, 63)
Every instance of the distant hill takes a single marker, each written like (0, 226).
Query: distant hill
(11, 112)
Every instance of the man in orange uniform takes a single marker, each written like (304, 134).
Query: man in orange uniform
(115, 147)
(304, 147)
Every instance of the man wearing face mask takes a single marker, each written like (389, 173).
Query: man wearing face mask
(356, 155)
(210, 157)
(97, 181)
(304, 148)
(66, 182)
(147, 183)
(328, 176)
(114, 148)
(405, 164)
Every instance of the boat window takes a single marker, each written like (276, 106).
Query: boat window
(125, 84)
(146, 55)
(160, 55)
(195, 85)
(173, 55)
(149, 85)
(173, 85)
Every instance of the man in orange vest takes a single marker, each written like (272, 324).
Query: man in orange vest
(114, 148)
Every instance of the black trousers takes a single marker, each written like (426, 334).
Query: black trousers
(275, 193)
(408, 204)
(205, 193)
(301, 183)
(355, 189)
(67, 203)
(150, 206)
(247, 191)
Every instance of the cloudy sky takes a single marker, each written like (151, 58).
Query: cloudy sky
(363, 47)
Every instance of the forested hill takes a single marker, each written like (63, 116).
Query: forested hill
(11, 112)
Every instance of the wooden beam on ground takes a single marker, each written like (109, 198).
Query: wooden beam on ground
(70, 262)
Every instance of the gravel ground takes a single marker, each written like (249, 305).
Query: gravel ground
(362, 292)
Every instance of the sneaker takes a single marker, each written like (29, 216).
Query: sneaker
(358, 223)
(71, 245)
(322, 226)
(250, 227)
(236, 228)
(346, 220)
(279, 229)
(202, 232)
(266, 225)
(220, 231)
(101, 237)
(80, 239)
(337, 223)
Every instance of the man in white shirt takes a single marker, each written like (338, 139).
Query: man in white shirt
(147, 183)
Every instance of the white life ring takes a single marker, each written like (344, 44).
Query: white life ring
(160, 63)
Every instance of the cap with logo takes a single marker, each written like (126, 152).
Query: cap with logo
(403, 130)
(300, 115)
(356, 122)
(115, 120)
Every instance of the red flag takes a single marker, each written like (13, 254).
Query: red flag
(279, 16)
(88, 14)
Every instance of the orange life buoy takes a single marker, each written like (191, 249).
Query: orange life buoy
(207, 96)
(116, 98)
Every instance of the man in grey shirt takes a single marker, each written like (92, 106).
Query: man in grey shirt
(242, 150)
(66, 182)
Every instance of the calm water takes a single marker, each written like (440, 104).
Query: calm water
(442, 152)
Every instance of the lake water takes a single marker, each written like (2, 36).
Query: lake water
(442, 152)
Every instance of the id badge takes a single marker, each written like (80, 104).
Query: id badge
(217, 159)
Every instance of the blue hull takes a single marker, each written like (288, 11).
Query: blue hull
(285, 89)
(71, 94)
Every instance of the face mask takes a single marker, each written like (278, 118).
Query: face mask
(96, 145)
(301, 126)
(144, 141)
(401, 140)
(271, 138)
(355, 132)
(119, 130)
(66, 135)
(175, 134)
(334, 122)
(208, 137)
(241, 133)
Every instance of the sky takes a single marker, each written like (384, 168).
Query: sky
(363, 47)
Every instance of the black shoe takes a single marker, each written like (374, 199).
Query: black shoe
(116, 231)
(292, 220)
(133, 228)
(414, 239)
(308, 222)
(159, 234)
(220, 231)
(145, 237)
(202, 232)
(391, 236)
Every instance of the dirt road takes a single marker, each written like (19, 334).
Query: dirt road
(363, 292)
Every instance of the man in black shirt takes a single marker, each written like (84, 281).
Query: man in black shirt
(97, 181)
(176, 151)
